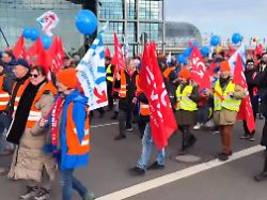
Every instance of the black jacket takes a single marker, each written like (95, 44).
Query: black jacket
(126, 103)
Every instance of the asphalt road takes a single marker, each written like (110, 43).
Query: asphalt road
(111, 160)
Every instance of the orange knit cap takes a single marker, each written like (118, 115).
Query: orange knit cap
(185, 73)
(225, 67)
(68, 78)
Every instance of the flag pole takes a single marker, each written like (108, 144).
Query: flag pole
(2, 33)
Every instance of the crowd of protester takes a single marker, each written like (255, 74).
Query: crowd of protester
(44, 122)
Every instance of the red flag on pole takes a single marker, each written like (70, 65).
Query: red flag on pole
(118, 59)
(107, 53)
(56, 55)
(34, 51)
(245, 111)
(19, 49)
(162, 121)
(198, 69)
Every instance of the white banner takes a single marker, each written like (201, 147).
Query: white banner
(92, 74)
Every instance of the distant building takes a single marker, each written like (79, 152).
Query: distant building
(179, 35)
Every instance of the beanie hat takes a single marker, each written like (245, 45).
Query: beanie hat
(68, 78)
(23, 63)
(225, 67)
(184, 73)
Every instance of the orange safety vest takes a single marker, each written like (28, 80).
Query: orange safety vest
(19, 94)
(35, 114)
(167, 72)
(122, 91)
(144, 108)
(4, 96)
(75, 147)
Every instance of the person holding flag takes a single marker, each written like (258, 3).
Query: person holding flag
(186, 108)
(252, 82)
(154, 101)
(227, 100)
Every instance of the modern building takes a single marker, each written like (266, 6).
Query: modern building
(17, 14)
(179, 34)
(135, 20)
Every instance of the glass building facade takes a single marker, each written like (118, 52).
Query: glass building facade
(136, 20)
(17, 14)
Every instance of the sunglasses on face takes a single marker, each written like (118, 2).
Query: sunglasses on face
(34, 75)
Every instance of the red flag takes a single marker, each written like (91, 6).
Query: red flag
(162, 121)
(258, 50)
(34, 51)
(198, 68)
(245, 111)
(56, 55)
(231, 50)
(118, 59)
(19, 49)
(107, 53)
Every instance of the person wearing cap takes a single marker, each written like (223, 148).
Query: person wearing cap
(74, 134)
(227, 100)
(186, 108)
(21, 71)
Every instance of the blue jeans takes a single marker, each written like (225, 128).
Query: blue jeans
(147, 145)
(69, 182)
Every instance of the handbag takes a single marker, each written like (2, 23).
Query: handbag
(5, 121)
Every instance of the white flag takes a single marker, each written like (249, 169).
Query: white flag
(92, 74)
(48, 21)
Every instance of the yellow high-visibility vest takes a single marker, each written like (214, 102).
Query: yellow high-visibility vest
(109, 73)
(222, 98)
(183, 100)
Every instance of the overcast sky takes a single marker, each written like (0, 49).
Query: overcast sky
(222, 17)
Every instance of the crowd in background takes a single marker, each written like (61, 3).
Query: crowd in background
(38, 124)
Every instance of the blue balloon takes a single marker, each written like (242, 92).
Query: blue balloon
(187, 52)
(34, 34)
(27, 33)
(215, 40)
(182, 59)
(236, 38)
(46, 41)
(205, 51)
(86, 22)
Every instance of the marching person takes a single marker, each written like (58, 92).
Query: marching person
(147, 141)
(263, 88)
(29, 132)
(21, 72)
(227, 100)
(9, 62)
(251, 74)
(186, 108)
(144, 111)
(109, 72)
(125, 82)
(4, 99)
(74, 134)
